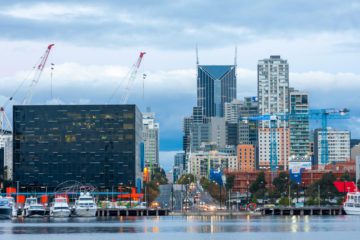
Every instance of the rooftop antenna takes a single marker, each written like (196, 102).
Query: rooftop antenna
(51, 80)
(197, 55)
(235, 57)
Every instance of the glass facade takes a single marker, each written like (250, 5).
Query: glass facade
(92, 144)
(216, 85)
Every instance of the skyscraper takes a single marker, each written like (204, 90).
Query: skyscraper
(216, 85)
(299, 123)
(273, 98)
(151, 139)
(273, 85)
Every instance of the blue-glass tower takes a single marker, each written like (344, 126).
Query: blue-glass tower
(216, 85)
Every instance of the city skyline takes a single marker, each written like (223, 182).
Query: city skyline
(321, 54)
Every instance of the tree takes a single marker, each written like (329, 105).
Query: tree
(345, 177)
(159, 176)
(257, 188)
(230, 179)
(186, 179)
(326, 187)
(281, 184)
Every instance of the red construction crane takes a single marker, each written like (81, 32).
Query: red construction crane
(36, 72)
(132, 77)
(38, 69)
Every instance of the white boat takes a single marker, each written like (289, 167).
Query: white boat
(33, 209)
(5, 208)
(13, 206)
(352, 203)
(85, 206)
(60, 208)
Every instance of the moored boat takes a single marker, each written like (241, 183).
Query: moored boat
(5, 208)
(33, 209)
(352, 203)
(60, 208)
(85, 206)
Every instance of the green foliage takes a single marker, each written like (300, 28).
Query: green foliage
(326, 187)
(284, 201)
(204, 182)
(186, 179)
(158, 175)
(345, 177)
(257, 188)
(281, 183)
(230, 179)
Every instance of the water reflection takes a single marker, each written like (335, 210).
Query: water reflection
(181, 225)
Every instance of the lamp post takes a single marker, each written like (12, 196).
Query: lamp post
(319, 194)
(303, 189)
(297, 193)
(17, 190)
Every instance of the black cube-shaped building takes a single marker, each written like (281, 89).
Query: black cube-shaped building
(94, 144)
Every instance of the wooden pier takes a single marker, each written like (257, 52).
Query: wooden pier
(114, 212)
(303, 211)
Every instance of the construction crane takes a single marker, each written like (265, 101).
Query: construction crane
(313, 114)
(5, 125)
(133, 73)
(324, 115)
(38, 69)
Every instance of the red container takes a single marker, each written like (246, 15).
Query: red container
(44, 199)
(20, 199)
(10, 190)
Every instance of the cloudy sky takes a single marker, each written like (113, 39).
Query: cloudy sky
(96, 42)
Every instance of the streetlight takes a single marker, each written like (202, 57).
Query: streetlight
(297, 193)
(319, 194)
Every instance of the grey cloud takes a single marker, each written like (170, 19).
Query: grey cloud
(179, 24)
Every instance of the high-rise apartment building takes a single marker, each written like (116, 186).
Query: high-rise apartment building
(246, 157)
(216, 85)
(299, 123)
(201, 162)
(273, 85)
(273, 99)
(6, 145)
(273, 149)
(151, 140)
(338, 146)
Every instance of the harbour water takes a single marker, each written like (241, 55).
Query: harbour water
(177, 227)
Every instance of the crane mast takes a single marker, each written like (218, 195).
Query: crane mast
(131, 79)
(5, 124)
(38, 71)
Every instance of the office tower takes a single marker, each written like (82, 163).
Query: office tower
(299, 124)
(273, 99)
(338, 146)
(232, 111)
(93, 144)
(151, 140)
(179, 166)
(216, 85)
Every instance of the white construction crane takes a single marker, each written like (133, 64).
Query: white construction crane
(132, 77)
